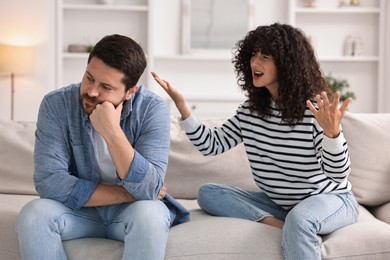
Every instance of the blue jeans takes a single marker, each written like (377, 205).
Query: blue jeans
(43, 224)
(317, 215)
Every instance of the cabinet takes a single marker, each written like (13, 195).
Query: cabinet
(328, 25)
(84, 22)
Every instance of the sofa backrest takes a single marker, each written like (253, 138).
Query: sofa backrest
(367, 135)
(188, 169)
(16, 157)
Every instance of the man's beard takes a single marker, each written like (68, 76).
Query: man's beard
(88, 103)
(92, 102)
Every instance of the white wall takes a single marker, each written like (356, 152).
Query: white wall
(24, 22)
(387, 61)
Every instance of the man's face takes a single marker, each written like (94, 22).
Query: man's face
(102, 83)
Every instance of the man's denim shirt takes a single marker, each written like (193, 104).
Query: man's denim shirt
(65, 164)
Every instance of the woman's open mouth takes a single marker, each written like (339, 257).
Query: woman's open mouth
(257, 74)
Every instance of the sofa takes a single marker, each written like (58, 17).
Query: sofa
(211, 237)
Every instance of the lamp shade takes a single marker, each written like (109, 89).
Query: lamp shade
(16, 59)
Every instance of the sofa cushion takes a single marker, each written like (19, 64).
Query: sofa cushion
(366, 239)
(16, 161)
(9, 210)
(369, 147)
(210, 237)
(188, 169)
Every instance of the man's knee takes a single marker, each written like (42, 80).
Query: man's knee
(149, 214)
(34, 213)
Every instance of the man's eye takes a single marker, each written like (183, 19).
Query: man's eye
(89, 78)
(106, 87)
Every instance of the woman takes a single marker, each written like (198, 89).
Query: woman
(290, 126)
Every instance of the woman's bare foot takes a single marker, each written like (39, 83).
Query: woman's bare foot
(272, 222)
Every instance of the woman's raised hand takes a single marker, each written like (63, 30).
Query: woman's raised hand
(175, 95)
(328, 114)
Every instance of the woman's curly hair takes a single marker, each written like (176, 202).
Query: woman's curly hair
(299, 74)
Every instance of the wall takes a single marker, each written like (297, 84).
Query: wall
(24, 22)
(387, 60)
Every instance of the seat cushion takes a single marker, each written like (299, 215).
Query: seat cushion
(215, 238)
(369, 238)
(10, 207)
(209, 237)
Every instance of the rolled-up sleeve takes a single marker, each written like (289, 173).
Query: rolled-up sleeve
(147, 171)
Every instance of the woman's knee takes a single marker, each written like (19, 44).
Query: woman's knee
(210, 195)
(299, 224)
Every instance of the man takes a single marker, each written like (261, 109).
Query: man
(101, 153)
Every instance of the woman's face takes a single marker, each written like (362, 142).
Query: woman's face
(264, 73)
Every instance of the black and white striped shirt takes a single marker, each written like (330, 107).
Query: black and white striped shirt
(289, 164)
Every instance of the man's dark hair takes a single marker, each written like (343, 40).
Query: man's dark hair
(123, 54)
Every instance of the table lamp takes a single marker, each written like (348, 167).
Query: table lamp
(15, 61)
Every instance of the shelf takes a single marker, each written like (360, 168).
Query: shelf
(199, 55)
(87, 21)
(75, 55)
(95, 7)
(330, 24)
(341, 10)
(349, 59)
(215, 99)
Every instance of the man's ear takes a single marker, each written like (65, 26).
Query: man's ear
(130, 92)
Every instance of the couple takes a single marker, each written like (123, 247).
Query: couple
(102, 146)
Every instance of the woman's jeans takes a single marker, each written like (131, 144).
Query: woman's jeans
(43, 224)
(319, 214)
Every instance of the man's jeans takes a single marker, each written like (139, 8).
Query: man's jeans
(43, 224)
(319, 214)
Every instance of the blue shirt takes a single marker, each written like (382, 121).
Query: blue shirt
(66, 169)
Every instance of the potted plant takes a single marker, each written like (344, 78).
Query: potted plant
(341, 85)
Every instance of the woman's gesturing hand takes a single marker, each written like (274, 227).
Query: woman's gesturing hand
(328, 114)
(175, 95)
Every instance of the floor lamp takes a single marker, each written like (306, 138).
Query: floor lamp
(15, 61)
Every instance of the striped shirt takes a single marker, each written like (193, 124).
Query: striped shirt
(288, 163)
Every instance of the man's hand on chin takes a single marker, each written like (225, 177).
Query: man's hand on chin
(105, 117)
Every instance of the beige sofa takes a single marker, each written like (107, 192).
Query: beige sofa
(209, 237)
